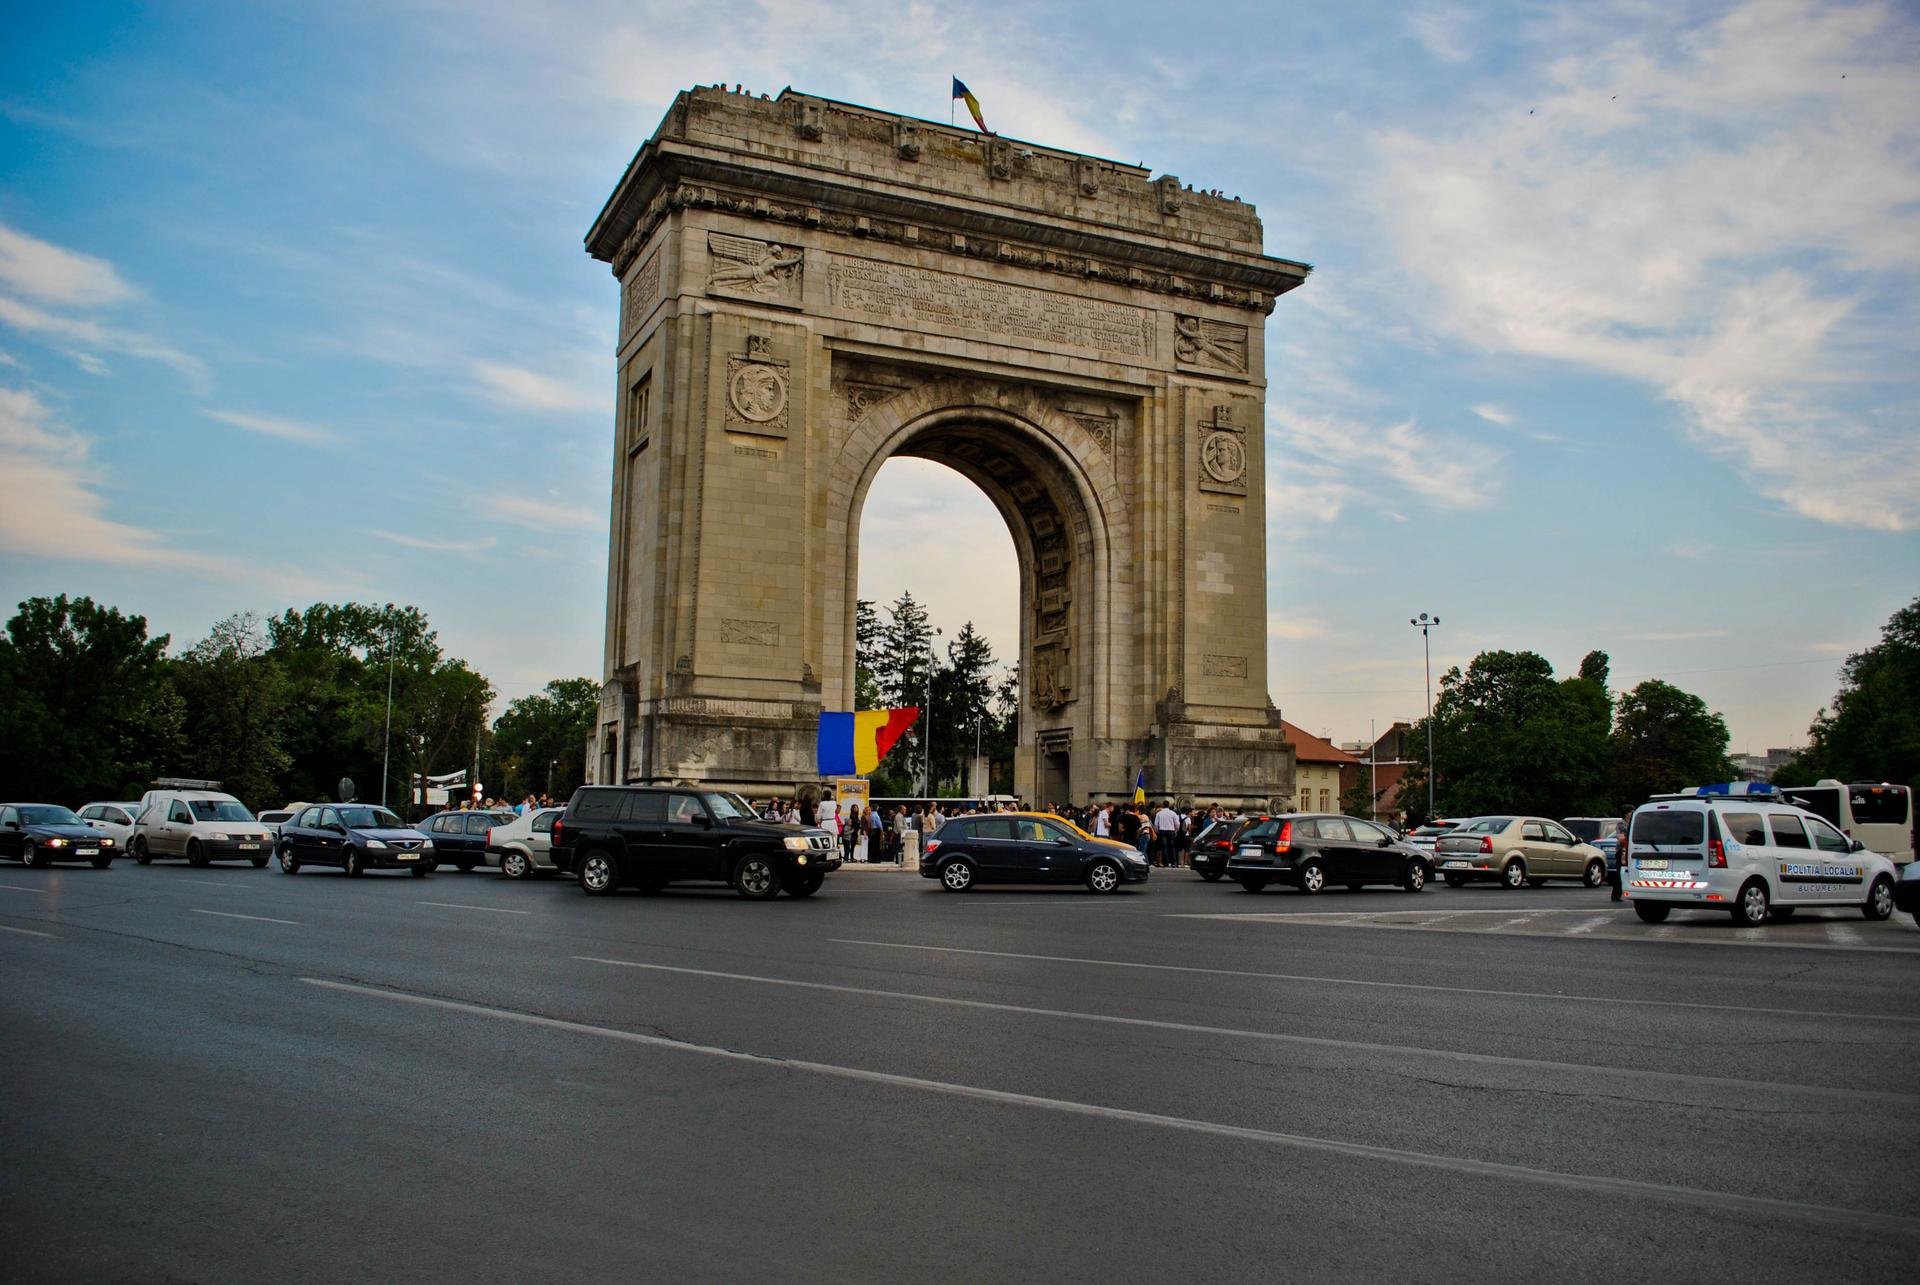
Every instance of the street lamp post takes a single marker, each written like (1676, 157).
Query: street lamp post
(926, 754)
(551, 764)
(1425, 624)
(386, 752)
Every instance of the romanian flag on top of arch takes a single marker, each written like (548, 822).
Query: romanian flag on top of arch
(853, 744)
(961, 91)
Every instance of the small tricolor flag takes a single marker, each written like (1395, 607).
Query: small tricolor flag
(1140, 787)
(853, 744)
(960, 90)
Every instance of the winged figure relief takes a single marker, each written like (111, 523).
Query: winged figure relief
(754, 266)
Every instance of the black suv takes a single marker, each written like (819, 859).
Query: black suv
(1026, 847)
(1312, 851)
(1214, 845)
(613, 836)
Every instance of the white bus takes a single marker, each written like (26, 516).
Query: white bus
(1877, 814)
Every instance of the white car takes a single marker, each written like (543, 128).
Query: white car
(114, 820)
(1750, 856)
(524, 846)
(272, 819)
(201, 825)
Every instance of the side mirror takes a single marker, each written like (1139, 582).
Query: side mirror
(1386, 841)
(1858, 846)
(1063, 843)
(706, 822)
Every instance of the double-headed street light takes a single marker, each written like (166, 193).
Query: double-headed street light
(1425, 624)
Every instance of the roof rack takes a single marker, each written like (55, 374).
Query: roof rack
(183, 783)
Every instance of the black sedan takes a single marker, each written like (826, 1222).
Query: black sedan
(40, 834)
(1213, 846)
(1027, 847)
(1313, 850)
(357, 837)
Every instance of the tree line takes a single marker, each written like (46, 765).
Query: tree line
(958, 688)
(277, 709)
(1871, 731)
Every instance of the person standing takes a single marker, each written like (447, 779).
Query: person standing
(1619, 879)
(1103, 821)
(1166, 830)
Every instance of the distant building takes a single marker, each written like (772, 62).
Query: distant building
(1761, 767)
(1317, 770)
(1379, 768)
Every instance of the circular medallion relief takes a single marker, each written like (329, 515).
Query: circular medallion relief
(758, 393)
(1224, 458)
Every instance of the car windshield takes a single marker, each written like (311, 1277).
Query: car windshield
(371, 819)
(49, 814)
(728, 807)
(1485, 825)
(218, 810)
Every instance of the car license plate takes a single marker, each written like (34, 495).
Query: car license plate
(1456, 865)
(86, 852)
(249, 847)
(1647, 863)
(1249, 852)
(407, 856)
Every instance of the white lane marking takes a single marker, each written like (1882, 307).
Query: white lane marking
(1398, 986)
(258, 919)
(1506, 923)
(1591, 924)
(1762, 1206)
(1844, 935)
(17, 887)
(1272, 1037)
(1686, 932)
(26, 932)
(216, 883)
(455, 905)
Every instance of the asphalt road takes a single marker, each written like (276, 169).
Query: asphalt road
(237, 1075)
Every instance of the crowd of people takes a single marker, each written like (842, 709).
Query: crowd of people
(1162, 832)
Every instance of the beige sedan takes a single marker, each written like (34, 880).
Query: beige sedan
(1516, 852)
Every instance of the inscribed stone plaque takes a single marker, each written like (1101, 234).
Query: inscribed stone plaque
(641, 294)
(993, 310)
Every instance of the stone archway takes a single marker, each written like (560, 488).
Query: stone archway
(809, 288)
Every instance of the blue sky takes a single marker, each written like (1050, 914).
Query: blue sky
(1610, 342)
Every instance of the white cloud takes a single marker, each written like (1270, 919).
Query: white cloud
(518, 386)
(1293, 628)
(549, 515)
(1337, 456)
(1442, 33)
(286, 430)
(1493, 414)
(43, 271)
(1716, 213)
(468, 547)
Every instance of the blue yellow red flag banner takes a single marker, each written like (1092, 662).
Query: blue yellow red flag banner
(853, 744)
(1140, 787)
(960, 90)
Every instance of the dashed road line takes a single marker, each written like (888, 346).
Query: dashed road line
(258, 919)
(457, 905)
(1398, 986)
(1802, 934)
(1757, 1206)
(27, 932)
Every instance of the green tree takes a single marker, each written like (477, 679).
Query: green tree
(1663, 740)
(1872, 730)
(541, 739)
(963, 689)
(86, 711)
(905, 660)
(867, 661)
(234, 696)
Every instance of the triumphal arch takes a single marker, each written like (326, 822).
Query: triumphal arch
(808, 288)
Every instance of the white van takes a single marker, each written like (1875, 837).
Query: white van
(1747, 854)
(196, 821)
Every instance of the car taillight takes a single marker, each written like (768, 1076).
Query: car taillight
(1285, 841)
(553, 836)
(1486, 843)
(489, 836)
(1716, 854)
(933, 846)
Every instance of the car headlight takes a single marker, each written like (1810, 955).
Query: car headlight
(375, 843)
(106, 843)
(56, 843)
(218, 838)
(796, 843)
(426, 845)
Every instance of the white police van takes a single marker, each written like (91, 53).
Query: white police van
(1737, 848)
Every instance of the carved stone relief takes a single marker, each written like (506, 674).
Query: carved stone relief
(757, 390)
(1052, 677)
(1224, 666)
(1222, 452)
(638, 298)
(1099, 427)
(755, 633)
(1209, 345)
(748, 269)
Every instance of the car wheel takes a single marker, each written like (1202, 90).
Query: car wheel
(1415, 878)
(30, 854)
(1212, 876)
(356, 864)
(1456, 881)
(1879, 902)
(1652, 912)
(289, 864)
(1750, 907)
(1782, 913)
(140, 853)
(956, 876)
(1103, 876)
(802, 885)
(1312, 878)
(258, 862)
(514, 865)
(755, 878)
(599, 876)
(196, 855)
(1596, 873)
(1513, 874)
(1253, 883)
